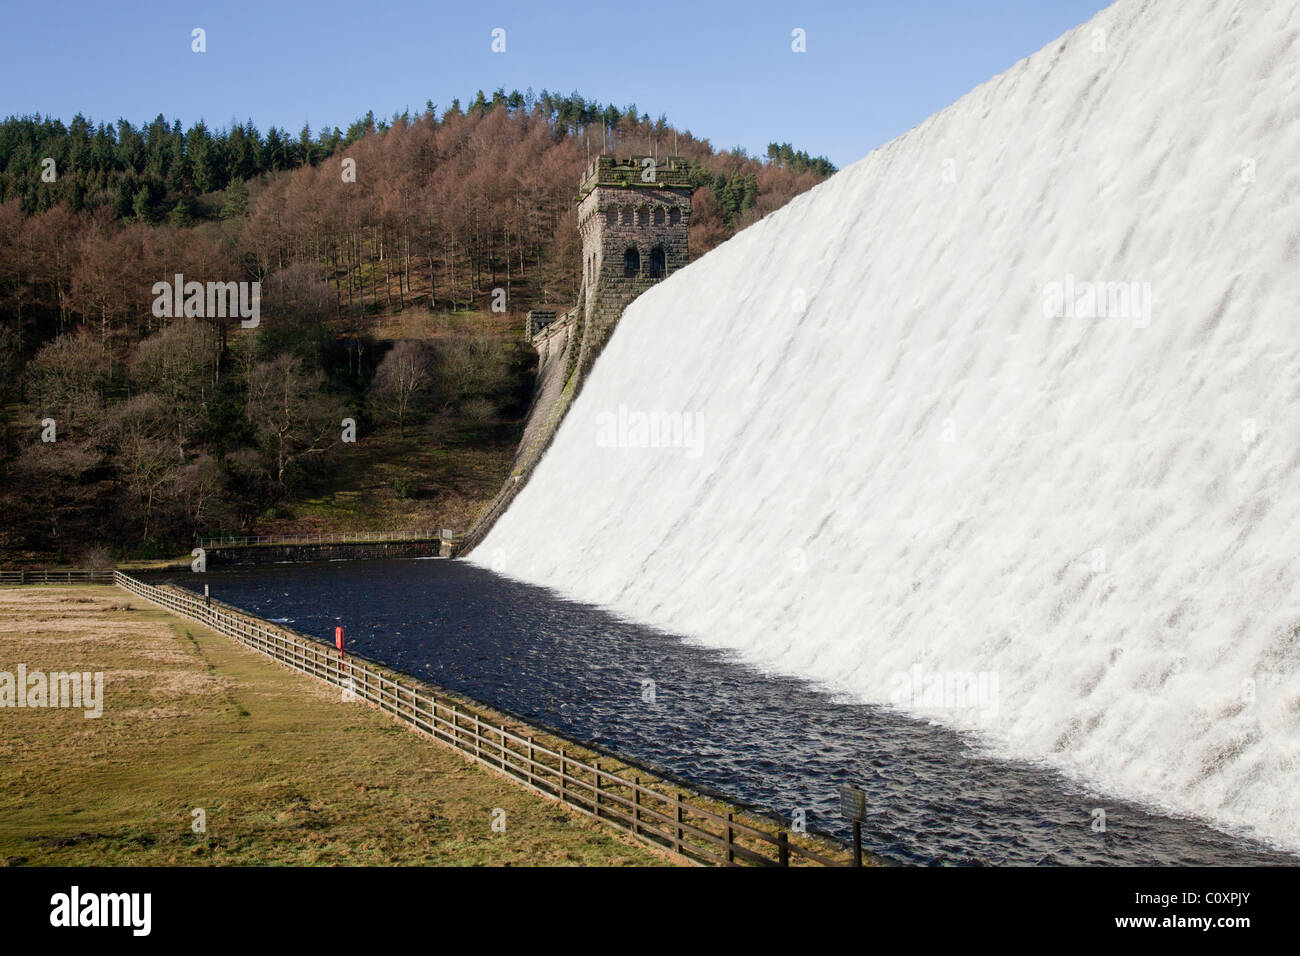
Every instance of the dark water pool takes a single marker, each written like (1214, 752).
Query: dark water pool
(773, 743)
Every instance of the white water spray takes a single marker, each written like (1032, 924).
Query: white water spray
(1015, 397)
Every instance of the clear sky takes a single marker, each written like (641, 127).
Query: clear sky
(872, 69)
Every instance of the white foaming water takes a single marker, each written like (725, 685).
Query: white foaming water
(950, 460)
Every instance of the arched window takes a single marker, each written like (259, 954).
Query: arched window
(675, 216)
(611, 216)
(659, 215)
(657, 262)
(631, 263)
(643, 216)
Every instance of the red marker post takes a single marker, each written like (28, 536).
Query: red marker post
(349, 691)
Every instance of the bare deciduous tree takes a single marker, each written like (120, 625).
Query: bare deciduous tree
(139, 432)
(176, 365)
(402, 377)
(294, 419)
(68, 377)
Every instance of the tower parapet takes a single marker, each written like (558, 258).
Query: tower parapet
(635, 172)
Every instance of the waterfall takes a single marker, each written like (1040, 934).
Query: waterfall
(999, 426)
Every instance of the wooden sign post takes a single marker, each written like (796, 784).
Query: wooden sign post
(853, 806)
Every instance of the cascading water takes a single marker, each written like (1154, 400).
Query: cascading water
(999, 425)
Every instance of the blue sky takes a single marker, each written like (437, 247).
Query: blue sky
(872, 70)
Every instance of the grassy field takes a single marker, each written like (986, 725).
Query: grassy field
(284, 770)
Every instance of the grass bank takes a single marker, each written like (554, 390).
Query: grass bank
(285, 771)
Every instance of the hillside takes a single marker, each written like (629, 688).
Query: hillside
(395, 264)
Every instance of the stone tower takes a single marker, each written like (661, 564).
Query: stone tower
(633, 216)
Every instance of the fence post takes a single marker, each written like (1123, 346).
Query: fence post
(783, 849)
(636, 807)
(455, 725)
(677, 844)
(731, 856)
(478, 738)
(532, 760)
(563, 754)
(503, 746)
(596, 777)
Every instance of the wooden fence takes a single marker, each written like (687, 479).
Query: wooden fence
(666, 820)
(72, 576)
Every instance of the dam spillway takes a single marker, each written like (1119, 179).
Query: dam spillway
(1014, 399)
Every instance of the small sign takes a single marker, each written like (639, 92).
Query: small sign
(853, 803)
(338, 638)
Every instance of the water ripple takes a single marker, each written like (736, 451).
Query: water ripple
(773, 743)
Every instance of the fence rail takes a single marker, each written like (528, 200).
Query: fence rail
(342, 537)
(666, 820)
(70, 576)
